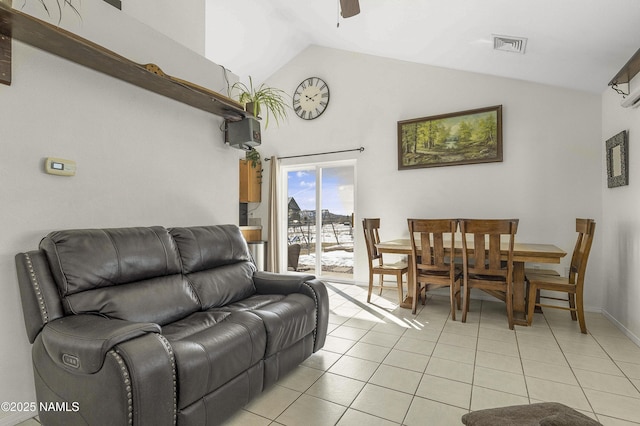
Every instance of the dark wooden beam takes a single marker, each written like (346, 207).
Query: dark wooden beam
(67, 45)
(5, 59)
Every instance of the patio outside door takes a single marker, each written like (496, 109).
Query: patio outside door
(320, 204)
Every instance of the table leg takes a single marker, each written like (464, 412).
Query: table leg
(411, 285)
(519, 308)
(537, 309)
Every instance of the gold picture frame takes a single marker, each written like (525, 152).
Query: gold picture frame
(465, 137)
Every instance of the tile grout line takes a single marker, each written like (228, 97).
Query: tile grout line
(439, 331)
(475, 356)
(571, 367)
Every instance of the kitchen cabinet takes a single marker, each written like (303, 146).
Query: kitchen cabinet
(251, 234)
(250, 182)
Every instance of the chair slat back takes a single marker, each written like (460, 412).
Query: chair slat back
(486, 256)
(585, 229)
(428, 243)
(371, 237)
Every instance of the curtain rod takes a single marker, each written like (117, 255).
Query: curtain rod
(318, 153)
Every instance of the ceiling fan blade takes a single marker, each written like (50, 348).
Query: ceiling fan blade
(349, 8)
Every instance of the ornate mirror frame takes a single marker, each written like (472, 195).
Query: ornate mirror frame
(618, 160)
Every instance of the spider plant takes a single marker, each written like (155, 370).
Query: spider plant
(60, 4)
(254, 98)
(254, 156)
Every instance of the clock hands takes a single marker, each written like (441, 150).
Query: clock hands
(310, 98)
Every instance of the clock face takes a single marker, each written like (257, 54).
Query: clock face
(311, 98)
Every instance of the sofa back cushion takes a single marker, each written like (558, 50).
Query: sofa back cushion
(217, 263)
(126, 273)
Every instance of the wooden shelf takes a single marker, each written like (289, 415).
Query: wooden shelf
(628, 71)
(65, 44)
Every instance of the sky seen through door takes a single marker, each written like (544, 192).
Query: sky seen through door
(337, 189)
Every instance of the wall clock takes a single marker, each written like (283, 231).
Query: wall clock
(311, 98)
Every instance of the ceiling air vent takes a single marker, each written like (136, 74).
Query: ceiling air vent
(509, 44)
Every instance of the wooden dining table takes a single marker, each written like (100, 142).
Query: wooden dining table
(522, 253)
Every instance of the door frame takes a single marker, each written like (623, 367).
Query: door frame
(283, 207)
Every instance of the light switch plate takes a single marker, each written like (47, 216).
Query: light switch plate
(60, 166)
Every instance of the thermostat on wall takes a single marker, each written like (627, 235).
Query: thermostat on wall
(59, 166)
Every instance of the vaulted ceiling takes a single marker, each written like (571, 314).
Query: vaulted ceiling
(578, 44)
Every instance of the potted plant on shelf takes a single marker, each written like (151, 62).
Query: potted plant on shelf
(60, 4)
(262, 97)
(253, 156)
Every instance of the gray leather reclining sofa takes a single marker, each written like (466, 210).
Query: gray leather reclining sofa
(155, 326)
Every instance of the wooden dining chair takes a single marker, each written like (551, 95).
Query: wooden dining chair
(376, 264)
(573, 285)
(434, 269)
(486, 265)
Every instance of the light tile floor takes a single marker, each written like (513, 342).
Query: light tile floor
(381, 365)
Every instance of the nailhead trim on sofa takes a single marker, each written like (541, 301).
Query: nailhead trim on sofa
(36, 287)
(174, 377)
(127, 382)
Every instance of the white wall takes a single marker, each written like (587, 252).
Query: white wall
(550, 175)
(620, 229)
(251, 35)
(142, 159)
(183, 21)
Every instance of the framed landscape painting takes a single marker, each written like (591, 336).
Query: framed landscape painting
(465, 137)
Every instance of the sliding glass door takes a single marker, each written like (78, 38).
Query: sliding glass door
(320, 204)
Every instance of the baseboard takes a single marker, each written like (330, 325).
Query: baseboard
(621, 327)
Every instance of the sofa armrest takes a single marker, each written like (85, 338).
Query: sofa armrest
(273, 283)
(321, 296)
(41, 302)
(79, 343)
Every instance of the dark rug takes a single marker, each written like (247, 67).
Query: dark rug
(544, 414)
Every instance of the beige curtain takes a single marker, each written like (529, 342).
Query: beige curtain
(273, 250)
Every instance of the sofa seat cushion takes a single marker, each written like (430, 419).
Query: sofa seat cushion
(287, 321)
(193, 324)
(256, 301)
(211, 348)
(287, 318)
